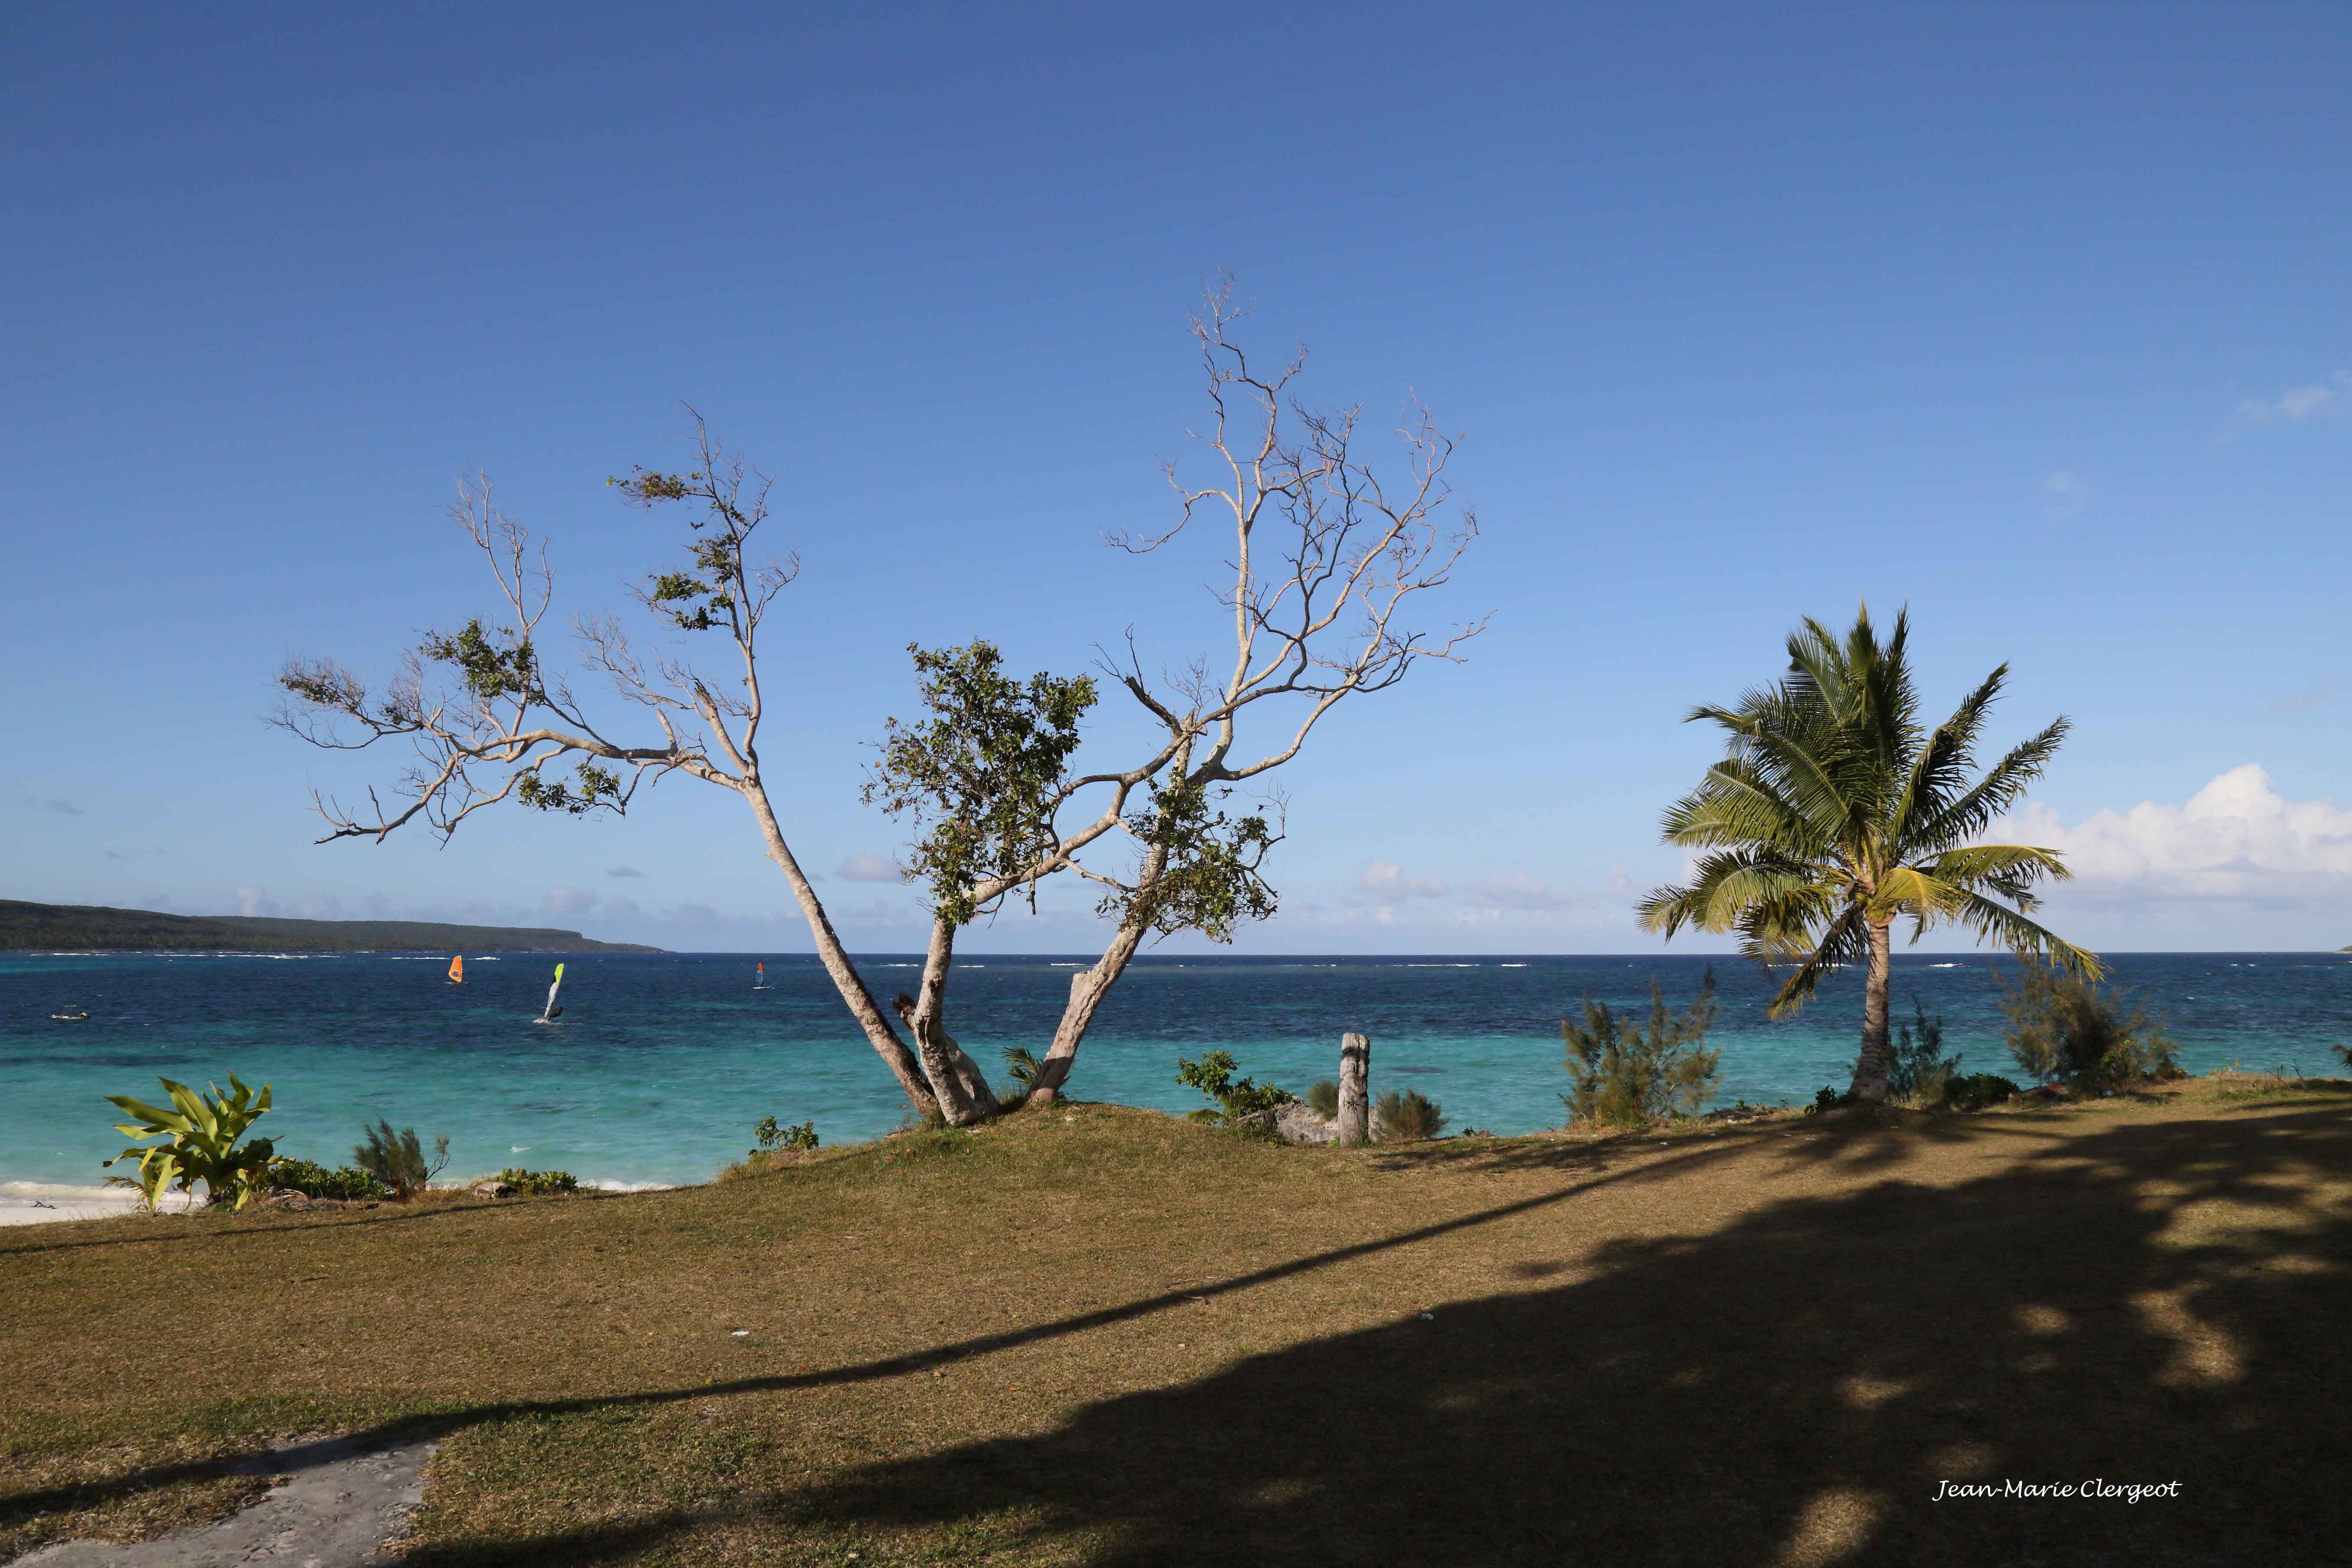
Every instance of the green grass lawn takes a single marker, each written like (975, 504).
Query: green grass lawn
(1105, 1336)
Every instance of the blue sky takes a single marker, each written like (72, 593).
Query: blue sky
(2032, 318)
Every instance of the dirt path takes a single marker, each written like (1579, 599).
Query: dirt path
(336, 1502)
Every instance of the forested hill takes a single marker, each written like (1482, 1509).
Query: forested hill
(87, 927)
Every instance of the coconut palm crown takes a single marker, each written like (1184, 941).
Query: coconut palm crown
(1833, 815)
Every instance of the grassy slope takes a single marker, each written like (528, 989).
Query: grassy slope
(1105, 1336)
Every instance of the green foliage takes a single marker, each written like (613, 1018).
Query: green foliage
(1835, 810)
(599, 787)
(1023, 1063)
(1209, 879)
(1213, 1075)
(397, 1160)
(539, 1184)
(201, 1134)
(1323, 1098)
(1827, 1099)
(493, 666)
(1409, 1118)
(1977, 1091)
(792, 1139)
(704, 598)
(1920, 1069)
(986, 771)
(2064, 1029)
(1622, 1075)
(315, 1181)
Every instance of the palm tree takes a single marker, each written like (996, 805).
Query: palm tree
(1832, 816)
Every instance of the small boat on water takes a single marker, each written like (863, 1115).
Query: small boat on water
(457, 969)
(759, 977)
(70, 1017)
(553, 1011)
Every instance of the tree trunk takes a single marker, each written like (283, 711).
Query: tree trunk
(956, 1081)
(1870, 1068)
(1355, 1091)
(1088, 989)
(878, 1032)
(1089, 986)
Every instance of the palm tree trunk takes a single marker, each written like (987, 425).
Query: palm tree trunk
(1870, 1068)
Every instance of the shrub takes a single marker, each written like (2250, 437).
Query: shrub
(2064, 1029)
(397, 1161)
(1919, 1069)
(789, 1139)
(1827, 1099)
(201, 1132)
(1977, 1091)
(1620, 1075)
(1213, 1075)
(1409, 1117)
(539, 1184)
(315, 1181)
(1323, 1099)
(1023, 1063)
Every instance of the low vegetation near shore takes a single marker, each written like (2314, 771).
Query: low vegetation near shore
(1766, 1342)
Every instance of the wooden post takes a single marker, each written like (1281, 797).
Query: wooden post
(1355, 1091)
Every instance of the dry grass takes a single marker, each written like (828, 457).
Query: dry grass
(1105, 1336)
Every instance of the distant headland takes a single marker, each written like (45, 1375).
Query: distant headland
(92, 927)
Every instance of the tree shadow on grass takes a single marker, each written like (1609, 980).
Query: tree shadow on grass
(1791, 1389)
(2151, 1304)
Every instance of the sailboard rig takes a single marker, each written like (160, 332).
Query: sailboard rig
(553, 1012)
(759, 977)
(457, 969)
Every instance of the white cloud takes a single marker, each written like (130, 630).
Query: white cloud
(1383, 879)
(623, 871)
(2298, 405)
(570, 901)
(2067, 492)
(2318, 694)
(2237, 838)
(250, 902)
(1516, 892)
(869, 869)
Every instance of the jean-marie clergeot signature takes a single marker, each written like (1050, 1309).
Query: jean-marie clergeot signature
(2097, 1489)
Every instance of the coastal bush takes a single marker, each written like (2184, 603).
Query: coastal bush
(1323, 1099)
(2066, 1029)
(201, 1133)
(1409, 1117)
(396, 1158)
(539, 1184)
(1920, 1070)
(315, 1181)
(792, 1140)
(1023, 1063)
(1977, 1091)
(1213, 1075)
(1621, 1075)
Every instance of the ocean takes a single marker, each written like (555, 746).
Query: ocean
(662, 1063)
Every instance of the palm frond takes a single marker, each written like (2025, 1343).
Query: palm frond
(2001, 787)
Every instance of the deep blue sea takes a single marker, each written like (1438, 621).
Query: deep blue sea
(662, 1063)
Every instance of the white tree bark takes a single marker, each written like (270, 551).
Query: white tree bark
(1355, 1091)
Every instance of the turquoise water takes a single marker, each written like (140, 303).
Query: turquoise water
(662, 1063)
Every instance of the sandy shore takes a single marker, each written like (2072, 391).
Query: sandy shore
(46, 1202)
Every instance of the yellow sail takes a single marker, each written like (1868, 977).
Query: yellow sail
(457, 969)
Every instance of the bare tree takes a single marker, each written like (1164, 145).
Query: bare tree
(488, 722)
(1326, 556)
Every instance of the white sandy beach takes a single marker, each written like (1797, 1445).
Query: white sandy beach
(44, 1203)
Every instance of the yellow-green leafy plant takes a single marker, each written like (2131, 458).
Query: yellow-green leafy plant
(201, 1134)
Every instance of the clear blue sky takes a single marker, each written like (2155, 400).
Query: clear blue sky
(2032, 317)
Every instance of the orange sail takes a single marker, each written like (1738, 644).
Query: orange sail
(457, 969)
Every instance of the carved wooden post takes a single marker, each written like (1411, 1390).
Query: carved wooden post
(1355, 1091)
